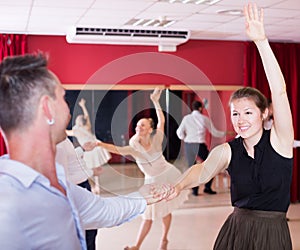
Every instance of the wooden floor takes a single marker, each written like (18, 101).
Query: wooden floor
(195, 225)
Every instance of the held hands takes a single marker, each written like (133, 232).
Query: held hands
(156, 192)
(175, 191)
(254, 22)
(89, 146)
(156, 94)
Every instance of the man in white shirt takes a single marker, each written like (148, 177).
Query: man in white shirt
(192, 131)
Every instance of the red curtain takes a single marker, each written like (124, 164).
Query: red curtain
(288, 56)
(10, 45)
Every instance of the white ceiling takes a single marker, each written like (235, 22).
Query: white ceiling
(55, 17)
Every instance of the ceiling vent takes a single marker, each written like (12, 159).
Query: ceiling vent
(166, 40)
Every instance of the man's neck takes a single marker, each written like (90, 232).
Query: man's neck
(37, 153)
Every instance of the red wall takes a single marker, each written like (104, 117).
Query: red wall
(221, 62)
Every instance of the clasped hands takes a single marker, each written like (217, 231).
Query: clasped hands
(157, 192)
(89, 146)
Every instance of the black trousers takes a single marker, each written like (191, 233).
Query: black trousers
(192, 150)
(90, 235)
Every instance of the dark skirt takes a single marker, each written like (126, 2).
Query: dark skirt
(247, 229)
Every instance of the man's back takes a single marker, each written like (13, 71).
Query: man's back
(193, 128)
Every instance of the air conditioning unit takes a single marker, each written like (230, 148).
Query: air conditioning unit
(166, 40)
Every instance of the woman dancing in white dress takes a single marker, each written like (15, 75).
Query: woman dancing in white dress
(146, 148)
(82, 130)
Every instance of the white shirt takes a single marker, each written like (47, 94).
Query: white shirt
(193, 128)
(72, 161)
(35, 215)
(268, 125)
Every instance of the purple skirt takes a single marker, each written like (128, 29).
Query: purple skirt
(247, 229)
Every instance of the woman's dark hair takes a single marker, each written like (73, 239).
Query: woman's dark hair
(254, 94)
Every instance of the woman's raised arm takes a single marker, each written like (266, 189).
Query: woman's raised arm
(282, 135)
(85, 114)
(120, 150)
(155, 96)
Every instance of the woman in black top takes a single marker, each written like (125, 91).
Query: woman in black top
(259, 162)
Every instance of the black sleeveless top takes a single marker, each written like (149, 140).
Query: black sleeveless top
(262, 183)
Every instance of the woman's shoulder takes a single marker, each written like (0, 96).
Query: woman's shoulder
(235, 142)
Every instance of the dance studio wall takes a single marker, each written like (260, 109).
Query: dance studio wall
(220, 61)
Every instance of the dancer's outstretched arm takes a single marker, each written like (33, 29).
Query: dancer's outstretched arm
(124, 150)
(119, 150)
(282, 134)
(217, 161)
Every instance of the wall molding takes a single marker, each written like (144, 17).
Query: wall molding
(149, 86)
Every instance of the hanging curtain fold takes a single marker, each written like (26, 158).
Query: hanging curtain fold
(11, 45)
(288, 56)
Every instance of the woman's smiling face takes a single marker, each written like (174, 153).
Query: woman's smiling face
(143, 127)
(246, 117)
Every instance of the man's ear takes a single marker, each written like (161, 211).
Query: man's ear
(47, 107)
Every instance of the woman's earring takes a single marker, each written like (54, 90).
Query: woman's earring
(50, 122)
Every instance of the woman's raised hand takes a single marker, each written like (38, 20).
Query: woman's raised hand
(156, 95)
(254, 22)
(81, 103)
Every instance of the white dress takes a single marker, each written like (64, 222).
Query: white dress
(96, 157)
(157, 170)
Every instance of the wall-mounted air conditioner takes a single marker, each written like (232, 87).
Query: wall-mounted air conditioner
(166, 40)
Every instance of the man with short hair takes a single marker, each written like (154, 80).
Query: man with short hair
(39, 208)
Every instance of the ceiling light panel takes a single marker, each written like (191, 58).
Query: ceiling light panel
(242, 3)
(150, 22)
(231, 12)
